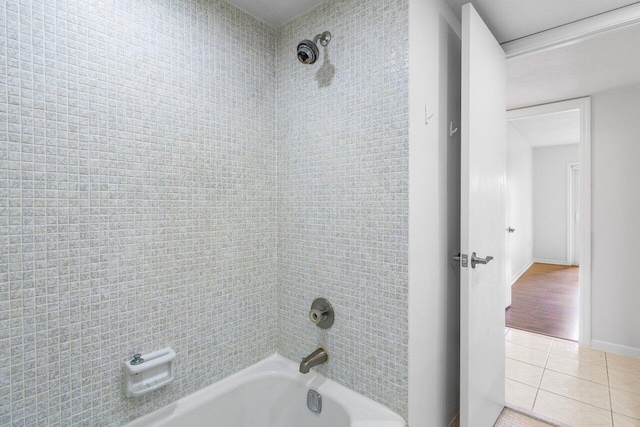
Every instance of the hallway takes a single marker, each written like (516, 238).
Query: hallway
(545, 301)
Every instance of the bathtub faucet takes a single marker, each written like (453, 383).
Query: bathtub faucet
(318, 357)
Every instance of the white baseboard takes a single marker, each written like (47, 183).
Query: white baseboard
(616, 348)
(551, 261)
(515, 278)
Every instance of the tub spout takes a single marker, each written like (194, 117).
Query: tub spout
(318, 357)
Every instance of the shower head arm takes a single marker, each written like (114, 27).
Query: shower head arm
(323, 38)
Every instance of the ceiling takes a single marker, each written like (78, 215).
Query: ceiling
(604, 63)
(514, 19)
(550, 129)
(508, 19)
(276, 12)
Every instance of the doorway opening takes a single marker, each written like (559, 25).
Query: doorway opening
(578, 244)
(548, 248)
(544, 151)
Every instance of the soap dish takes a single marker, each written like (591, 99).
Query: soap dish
(148, 372)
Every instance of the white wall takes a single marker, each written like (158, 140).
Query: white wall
(615, 225)
(434, 214)
(550, 202)
(519, 202)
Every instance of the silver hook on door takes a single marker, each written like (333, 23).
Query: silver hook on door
(451, 129)
(427, 116)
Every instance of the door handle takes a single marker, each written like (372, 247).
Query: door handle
(476, 260)
(511, 230)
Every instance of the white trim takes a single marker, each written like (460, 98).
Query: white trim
(574, 32)
(616, 348)
(523, 270)
(584, 337)
(583, 105)
(551, 261)
(545, 109)
(571, 166)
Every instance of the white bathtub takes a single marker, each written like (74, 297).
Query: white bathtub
(272, 393)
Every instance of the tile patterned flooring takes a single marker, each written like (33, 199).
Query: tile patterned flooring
(573, 385)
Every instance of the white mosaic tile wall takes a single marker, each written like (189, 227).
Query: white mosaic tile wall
(137, 200)
(343, 193)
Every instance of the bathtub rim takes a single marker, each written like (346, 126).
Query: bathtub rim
(357, 406)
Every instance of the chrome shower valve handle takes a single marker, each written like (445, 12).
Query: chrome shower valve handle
(321, 313)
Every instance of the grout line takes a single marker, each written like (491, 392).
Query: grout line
(576, 400)
(546, 361)
(625, 391)
(537, 392)
(578, 378)
(580, 361)
(606, 364)
(520, 382)
(544, 371)
(624, 415)
(526, 346)
(532, 348)
(526, 363)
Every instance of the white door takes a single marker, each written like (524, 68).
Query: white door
(482, 223)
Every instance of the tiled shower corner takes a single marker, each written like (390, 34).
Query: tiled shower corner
(343, 152)
(170, 175)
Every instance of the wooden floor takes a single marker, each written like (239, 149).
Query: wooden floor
(545, 300)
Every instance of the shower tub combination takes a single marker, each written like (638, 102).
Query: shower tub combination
(272, 393)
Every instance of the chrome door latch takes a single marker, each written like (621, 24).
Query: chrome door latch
(463, 259)
(476, 260)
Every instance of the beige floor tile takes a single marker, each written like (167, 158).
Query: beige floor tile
(571, 350)
(573, 367)
(625, 403)
(523, 372)
(506, 331)
(561, 344)
(623, 363)
(528, 339)
(575, 388)
(622, 421)
(624, 380)
(519, 394)
(571, 412)
(526, 354)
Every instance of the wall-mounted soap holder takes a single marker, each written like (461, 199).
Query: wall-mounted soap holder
(148, 372)
(321, 313)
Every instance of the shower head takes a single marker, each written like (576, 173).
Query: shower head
(308, 50)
